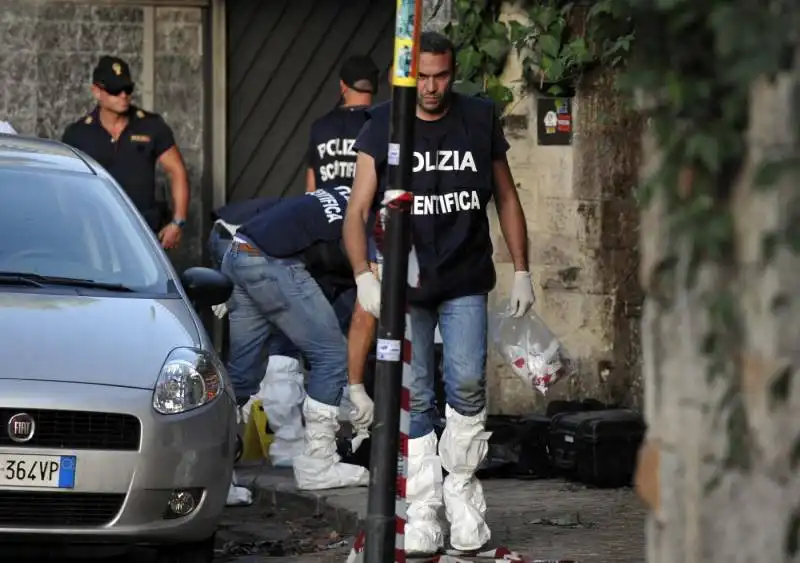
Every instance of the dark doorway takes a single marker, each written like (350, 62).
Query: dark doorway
(283, 72)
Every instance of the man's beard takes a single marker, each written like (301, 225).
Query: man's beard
(441, 107)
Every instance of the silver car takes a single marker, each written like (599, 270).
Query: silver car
(117, 421)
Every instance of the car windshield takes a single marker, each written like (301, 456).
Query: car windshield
(69, 225)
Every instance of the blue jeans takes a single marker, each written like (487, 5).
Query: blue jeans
(277, 344)
(279, 294)
(462, 323)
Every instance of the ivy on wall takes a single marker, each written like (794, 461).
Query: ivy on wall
(693, 64)
(483, 45)
(558, 44)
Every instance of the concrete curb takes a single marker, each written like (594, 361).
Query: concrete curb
(342, 507)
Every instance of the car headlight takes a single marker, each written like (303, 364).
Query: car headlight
(189, 379)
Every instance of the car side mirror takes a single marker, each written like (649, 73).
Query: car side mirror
(206, 287)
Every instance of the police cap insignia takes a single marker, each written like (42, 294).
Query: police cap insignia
(117, 68)
(88, 120)
(139, 114)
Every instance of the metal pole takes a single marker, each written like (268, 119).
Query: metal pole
(386, 504)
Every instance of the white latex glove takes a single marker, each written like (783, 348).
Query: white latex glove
(363, 410)
(220, 310)
(368, 291)
(521, 294)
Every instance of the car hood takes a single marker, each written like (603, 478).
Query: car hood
(86, 339)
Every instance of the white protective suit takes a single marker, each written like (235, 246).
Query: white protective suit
(282, 395)
(319, 466)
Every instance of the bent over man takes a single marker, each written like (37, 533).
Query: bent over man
(274, 289)
(459, 166)
(281, 389)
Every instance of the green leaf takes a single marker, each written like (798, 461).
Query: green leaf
(579, 51)
(543, 16)
(554, 90)
(498, 91)
(549, 45)
(462, 7)
(499, 29)
(496, 49)
(599, 8)
(553, 69)
(468, 61)
(519, 33)
(467, 88)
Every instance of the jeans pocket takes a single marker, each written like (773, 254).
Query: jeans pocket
(267, 295)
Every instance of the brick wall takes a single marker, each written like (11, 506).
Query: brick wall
(47, 53)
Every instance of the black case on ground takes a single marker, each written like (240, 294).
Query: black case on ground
(534, 448)
(597, 447)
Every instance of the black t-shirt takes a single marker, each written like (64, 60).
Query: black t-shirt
(294, 224)
(239, 212)
(132, 158)
(452, 183)
(330, 150)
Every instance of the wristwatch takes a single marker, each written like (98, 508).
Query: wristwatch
(179, 223)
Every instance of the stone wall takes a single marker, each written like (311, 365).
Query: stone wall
(582, 230)
(48, 51)
(179, 96)
(704, 509)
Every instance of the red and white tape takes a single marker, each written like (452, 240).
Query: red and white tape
(396, 198)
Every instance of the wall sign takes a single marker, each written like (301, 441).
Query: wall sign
(554, 121)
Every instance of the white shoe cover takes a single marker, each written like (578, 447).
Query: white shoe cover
(423, 533)
(282, 394)
(463, 447)
(238, 496)
(319, 466)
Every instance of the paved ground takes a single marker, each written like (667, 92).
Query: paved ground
(542, 519)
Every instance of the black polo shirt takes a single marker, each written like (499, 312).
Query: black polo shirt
(132, 158)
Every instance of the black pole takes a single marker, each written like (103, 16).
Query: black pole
(385, 456)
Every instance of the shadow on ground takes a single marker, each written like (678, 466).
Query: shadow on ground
(270, 530)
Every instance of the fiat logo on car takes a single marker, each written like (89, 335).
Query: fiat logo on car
(21, 427)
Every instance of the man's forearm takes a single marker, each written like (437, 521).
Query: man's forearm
(180, 195)
(512, 223)
(355, 242)
(359, 343)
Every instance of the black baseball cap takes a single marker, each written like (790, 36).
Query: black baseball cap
(359, 68)
(112, 74)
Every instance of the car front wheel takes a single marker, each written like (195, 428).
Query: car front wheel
(195, 552)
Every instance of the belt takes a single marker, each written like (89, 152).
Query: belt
(242, 246)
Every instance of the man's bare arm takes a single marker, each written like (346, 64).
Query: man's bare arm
(311, 180)
(360, 339)
(363, 191)
(512, 218)
(172, 161)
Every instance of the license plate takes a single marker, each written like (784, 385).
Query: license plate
(47, 471)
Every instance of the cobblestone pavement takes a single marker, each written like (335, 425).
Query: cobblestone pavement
(542, 519)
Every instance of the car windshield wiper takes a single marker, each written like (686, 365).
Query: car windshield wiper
(38, 280)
